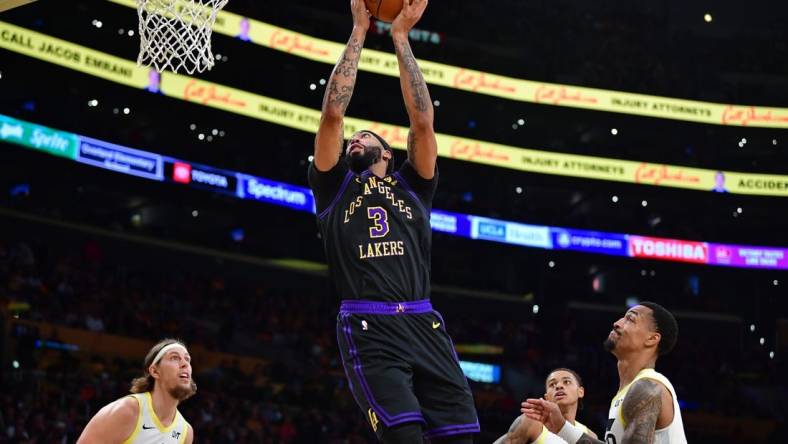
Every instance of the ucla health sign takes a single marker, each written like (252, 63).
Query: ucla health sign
(510, 232)
(488, 229)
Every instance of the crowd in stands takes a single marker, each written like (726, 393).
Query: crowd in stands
(300, 396)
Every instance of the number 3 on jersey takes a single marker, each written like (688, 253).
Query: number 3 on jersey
(380, 224)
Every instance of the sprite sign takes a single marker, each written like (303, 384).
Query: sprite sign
(38, 137)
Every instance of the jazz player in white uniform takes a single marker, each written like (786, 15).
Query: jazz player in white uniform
(150, 414)
(645, 409)
(563, 387)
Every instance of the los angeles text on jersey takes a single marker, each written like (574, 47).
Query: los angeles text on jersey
(378, 218)
(381, 186)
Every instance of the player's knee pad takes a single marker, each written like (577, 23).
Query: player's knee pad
(409, 433)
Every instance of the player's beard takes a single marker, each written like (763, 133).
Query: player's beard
(361, 162)
(182, 393)
(609, 344)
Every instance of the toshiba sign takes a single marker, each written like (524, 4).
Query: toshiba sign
(668, 249)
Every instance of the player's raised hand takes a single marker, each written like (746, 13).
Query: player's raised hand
(534, 410)
(410, 14)
(545, 412)
(360, 14)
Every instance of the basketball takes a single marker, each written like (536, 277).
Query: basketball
(384, 10)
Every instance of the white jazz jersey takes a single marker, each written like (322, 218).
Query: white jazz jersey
(672, 434)
(546, 437)
(149, 429)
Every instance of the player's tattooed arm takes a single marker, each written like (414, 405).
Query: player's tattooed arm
(640, 410)
(339, 90)
(417, 97)
(422, 144)
(343, 80)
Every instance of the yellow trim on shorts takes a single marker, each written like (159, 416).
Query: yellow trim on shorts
(138, 427)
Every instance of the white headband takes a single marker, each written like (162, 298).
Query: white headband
(167, 348)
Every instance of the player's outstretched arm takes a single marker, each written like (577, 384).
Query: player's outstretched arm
(641, 410)
(330, 135)
(422, 146)
(522, 431)
(113, 424)
(550, 415)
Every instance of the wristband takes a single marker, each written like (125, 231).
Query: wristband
(570, 433)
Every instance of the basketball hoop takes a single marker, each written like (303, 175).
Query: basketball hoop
(176, 34)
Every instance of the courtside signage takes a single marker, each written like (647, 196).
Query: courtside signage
(748, 257)
(57, 143)
(264, 190)
(200, 176)
(668, 249)
(590, 241)
(121, 159)
(478, 82)
(236, 101)
(148, 165)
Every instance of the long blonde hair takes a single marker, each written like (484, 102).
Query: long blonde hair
(147, 382)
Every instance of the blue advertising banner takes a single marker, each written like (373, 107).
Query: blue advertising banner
(121, 159)
(264, 190)
(589, 241)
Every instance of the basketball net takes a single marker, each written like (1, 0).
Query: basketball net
(176, 34)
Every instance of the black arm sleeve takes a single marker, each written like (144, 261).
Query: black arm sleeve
(423, 188)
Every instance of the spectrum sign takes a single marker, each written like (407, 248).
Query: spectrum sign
(264, 190)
